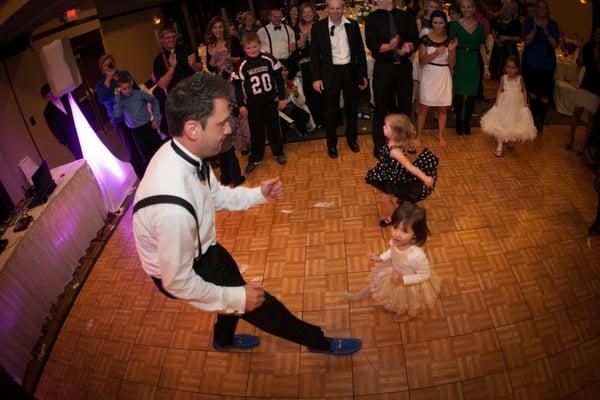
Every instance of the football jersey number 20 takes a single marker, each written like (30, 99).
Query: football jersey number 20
(261, 83)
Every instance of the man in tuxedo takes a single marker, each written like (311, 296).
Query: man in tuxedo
(338, 62)
(391, 35)
(276, 38)
(59, 118)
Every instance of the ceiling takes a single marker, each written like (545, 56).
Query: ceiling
(19, 18)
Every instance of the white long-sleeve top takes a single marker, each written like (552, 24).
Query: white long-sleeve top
(411, 263)
(166, 235)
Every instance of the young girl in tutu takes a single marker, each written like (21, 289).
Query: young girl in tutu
(509, 120)
(403, 281)
(394, 174)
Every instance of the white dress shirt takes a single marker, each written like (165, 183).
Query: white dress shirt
(59, 104)
(166, 236)
(411, 263)
(279, 46)
(340, 49)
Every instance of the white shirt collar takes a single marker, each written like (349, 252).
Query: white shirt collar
(186, 151)
(344, 21)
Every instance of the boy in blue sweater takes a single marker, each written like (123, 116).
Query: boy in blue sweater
(133, 106)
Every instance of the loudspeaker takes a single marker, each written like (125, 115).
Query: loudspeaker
(60, 67)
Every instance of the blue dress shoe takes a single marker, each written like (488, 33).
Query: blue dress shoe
(241, 341)
(340, 347)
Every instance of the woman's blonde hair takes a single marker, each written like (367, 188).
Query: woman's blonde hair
(403, 130)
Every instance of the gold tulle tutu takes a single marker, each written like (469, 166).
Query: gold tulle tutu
(405, 301)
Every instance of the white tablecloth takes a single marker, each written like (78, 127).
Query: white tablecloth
(39, 261)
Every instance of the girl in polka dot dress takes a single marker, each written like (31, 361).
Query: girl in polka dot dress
(395, 174)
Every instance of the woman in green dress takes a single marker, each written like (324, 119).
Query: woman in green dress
(471, 45)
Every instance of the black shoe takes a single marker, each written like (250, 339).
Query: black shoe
(281, 159)
(252, 166)
(354, 147)
(467, 130)
(332, 151)
(385, 222)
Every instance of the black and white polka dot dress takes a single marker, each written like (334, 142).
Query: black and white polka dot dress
(391, 177)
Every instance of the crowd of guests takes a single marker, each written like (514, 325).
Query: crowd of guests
(296, 71)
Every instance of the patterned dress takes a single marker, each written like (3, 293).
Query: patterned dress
(391, 177)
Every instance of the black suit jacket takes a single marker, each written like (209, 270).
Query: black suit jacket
(321, 63)
(377, 32)
(61, 125)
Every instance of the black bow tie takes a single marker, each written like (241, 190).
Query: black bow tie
(277, 28)
(202, 168)
(331, 30)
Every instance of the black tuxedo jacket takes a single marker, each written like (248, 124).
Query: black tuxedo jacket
(321, 63)
(61, 125)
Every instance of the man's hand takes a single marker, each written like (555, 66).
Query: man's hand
(394, 42)
(318, 86)
(272, 190)
(255, 296)
(244, 112)
(154, 124)
(406, 48)
(172, 59)
(281, 105)
(365, 83)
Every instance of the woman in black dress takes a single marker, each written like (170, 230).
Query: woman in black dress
(507, 33)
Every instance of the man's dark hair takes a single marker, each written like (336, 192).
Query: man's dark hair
(45, 89)
(193, 99)
(124, 78)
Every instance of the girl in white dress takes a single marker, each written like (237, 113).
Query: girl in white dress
(403, 281)
(437, 54)
(509, 120)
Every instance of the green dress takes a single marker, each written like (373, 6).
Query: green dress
(467, 73)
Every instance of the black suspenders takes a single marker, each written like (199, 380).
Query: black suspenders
(169, 199)
(284, 27)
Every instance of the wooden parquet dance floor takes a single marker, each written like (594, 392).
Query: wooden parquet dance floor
(518, 317)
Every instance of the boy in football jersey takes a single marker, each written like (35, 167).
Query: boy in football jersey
(260, 94)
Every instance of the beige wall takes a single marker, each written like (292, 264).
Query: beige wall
(572, 17)
(131, 40)
(15, 142)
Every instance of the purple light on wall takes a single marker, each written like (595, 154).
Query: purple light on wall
(114, 177)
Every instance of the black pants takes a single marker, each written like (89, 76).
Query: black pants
(392, 91)
(230, 168)
(344, 79)
(133, 154)
(147, 141)
(261, 118)
(218, 267)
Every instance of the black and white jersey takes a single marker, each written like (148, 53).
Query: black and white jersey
(258, 81)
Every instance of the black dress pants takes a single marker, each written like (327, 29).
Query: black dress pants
(218, 267)
(133, 154)
(261, 118)
(147, 141)
(314, 99)
(344, 79)
(392, 91)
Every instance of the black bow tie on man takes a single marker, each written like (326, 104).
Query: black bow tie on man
(277, 28)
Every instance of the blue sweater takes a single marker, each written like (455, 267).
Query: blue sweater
(106, 95)
(134, 108)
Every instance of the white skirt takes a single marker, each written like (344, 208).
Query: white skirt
(435, 89)
(587, 100)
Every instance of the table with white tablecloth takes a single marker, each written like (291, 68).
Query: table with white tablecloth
(39, 261)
